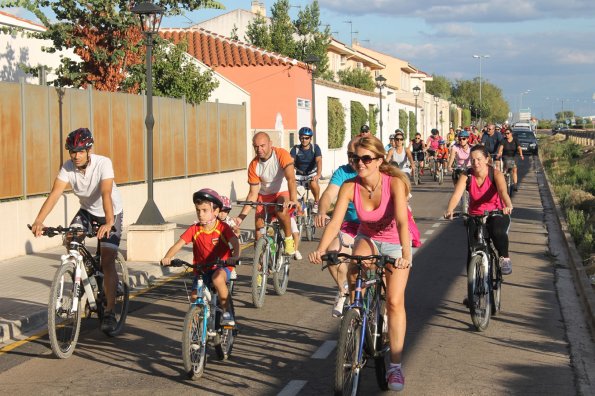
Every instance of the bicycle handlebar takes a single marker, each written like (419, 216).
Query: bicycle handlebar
(486, 214)
(218, 263)
(254, 203)
(333, 259)
(53, 231)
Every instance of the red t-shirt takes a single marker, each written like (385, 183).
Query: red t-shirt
(208, 246)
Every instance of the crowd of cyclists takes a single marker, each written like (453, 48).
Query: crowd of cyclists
(371, 215)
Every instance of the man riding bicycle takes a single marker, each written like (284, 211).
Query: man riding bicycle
(417, 151)
(271, 177)
(491, 141)
(307, 159)
(91, 177)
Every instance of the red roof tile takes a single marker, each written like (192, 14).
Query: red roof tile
(219, 51)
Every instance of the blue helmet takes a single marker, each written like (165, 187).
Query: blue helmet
(464, 133)
(441, 141)
(305, 131)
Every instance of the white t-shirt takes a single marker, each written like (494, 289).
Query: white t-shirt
(86, 186)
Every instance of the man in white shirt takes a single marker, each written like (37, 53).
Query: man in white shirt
(92, 180)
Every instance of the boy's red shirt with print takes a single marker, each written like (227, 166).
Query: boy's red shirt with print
(208, 246)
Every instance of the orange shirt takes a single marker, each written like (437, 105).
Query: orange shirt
(442, 153)
(270, 174)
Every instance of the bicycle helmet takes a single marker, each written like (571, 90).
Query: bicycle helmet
(441, 141)
(79, 140)
(305, 131)
(391, 137)
(434, 131)
(226, 203)
(207, 194)
(464, 133)
(364, 128)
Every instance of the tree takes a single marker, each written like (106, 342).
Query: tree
(311, 40)
(439, 86)
(412, 122)
(403, 121)
(359, 117)
(358, 78)
(282, 29)
(258, 34)
(103, 33)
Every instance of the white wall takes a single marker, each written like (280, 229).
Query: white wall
(172, 197)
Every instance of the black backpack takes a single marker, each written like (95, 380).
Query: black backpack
(470, 172)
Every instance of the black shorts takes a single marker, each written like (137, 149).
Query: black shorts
(86, 220)
(418, 155)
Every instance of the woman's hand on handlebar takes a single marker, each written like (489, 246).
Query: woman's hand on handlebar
(315, 257)
(321, 220)
(507, 210)
(37, 228)
(448, 214)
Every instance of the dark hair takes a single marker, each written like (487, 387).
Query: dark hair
(482, 148)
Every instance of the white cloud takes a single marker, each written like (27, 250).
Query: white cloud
(453, 30)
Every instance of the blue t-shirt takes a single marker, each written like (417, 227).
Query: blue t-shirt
(305, 160)
(343, 173)
(492, 142)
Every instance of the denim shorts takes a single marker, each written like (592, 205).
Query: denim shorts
(208, 277)
(393, 250)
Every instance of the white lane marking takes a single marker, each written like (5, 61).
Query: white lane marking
(429, 232)
(423, 240)
(436, 225)
(325, 350)
(292, 388)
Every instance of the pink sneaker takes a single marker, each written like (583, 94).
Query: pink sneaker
(395, 378)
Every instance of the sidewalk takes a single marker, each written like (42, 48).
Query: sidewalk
(25, 281)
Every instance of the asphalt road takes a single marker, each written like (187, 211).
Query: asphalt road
(287, 347)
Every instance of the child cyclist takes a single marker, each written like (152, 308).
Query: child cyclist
(442, 155)
(211, 239)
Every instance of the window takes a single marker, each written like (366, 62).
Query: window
(303, 103)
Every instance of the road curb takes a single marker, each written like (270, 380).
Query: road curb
(143, 276)
(581, 280)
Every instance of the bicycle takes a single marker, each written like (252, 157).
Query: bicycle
(416, 170)
(506, 169)
(432, 166)
(363, 333)
(77, 289)
(484, 277)
(202, 322)
(440, 170)
(456, 172)
(269, 256)
(305, 218)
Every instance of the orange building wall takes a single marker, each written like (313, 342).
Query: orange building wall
(273, 89)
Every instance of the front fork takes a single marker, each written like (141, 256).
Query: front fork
(80, 276)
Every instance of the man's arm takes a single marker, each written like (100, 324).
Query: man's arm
(291, 184)
(318, 160)
(106, 187)
(329, 195)
(57, 190)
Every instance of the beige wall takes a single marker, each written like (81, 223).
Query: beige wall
(173, 197)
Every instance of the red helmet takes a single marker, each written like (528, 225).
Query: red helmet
(207, 194)
(79, 140)
(226, 204)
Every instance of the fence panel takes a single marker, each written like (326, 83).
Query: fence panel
(188, 140)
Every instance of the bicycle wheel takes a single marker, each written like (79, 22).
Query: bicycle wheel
(122, 295)
(416, 174)
(64, 325)
(478, 293)
(509, 183)
(465, 203)
(224, 337)
(281, 274)
(440, 174)
(310, 228)
(260, 270)
(194, 343)
(382, 347)
(348, 368)
(496, 291)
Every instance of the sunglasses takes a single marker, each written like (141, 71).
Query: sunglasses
(507, 133)
(417, 138)
(399, 139)
(463, 138)
(366, 159)
(304, 137)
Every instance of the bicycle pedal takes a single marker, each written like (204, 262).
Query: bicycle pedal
(211, 333)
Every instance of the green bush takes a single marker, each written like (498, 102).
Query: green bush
(412, 122)
(466, 117)
(372, 113)
(358, 78)
(576, 223)
(336, 123)
(359, 117)
(403, 121)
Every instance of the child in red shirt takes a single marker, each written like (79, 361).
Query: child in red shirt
(442, 154)
(211, 239)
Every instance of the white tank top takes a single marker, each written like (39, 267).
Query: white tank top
(401, 159)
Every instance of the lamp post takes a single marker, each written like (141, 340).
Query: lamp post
(380, 83)
(480, 57)
(440, 121)
(313, 61)
(416, 91)
(150, 19)
(436, 100)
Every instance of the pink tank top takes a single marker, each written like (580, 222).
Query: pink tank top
(463, 157)
(484, 197)
(378, 224)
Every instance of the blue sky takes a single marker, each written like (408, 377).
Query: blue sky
(544, 46)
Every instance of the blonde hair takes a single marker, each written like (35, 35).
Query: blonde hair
(374, 145)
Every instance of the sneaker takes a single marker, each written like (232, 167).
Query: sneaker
(315, 208)
(395, 378)
(109, 322)
(515, 187)
(289, 246)
(339, 305)
(233, 275)
(466, 301)
(297, 255)
(505, 266)
(227, 319)
(259, 280)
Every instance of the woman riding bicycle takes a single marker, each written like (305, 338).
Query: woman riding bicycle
(379, 193)
(461, 153)
(508, 149)
(399, 155)
(487, 192)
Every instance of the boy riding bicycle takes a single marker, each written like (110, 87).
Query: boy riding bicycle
(211, 240)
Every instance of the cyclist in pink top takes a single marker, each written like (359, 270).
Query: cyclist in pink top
(487, 192)
(379, 193)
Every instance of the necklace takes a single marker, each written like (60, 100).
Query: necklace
(371, 190)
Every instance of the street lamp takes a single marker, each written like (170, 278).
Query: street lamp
(440, 121)
(416, 91)
(436, 100)
(380, 82)
(150, 19)
(480, 57)
(313, 61)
